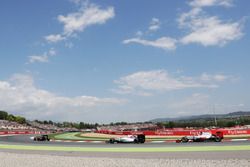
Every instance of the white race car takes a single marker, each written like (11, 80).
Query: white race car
(202, 137)
(128, 139)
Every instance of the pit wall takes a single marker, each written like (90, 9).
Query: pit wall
(179, 132)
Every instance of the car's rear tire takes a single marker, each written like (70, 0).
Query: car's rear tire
(184, 140)
(217, 139)
(142, 141)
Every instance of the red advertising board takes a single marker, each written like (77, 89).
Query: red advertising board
(179, 132)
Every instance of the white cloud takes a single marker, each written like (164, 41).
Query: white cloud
(165, 43)
(44, 58)
(69, 45)
(208, 30)
(207, 3)
(52, 52)
(199, 28)
(54, 38)
(154, 24)
(38, 58)
(212, 31)
(77, 2)
(216, 77)
(143, 82)
(186, 20)
(20, 94)
(196, 104)
(87, 15)
(139, 33)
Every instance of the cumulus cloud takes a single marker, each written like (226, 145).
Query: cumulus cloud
(207, 3)
(200, 28)
(44, 58)
(144, 82)
(165, 43)
(154, 24)
(186, 19)
(196, 103)
(54, 38)
(77, 2)
(214, 33)
(87, 15)
(208, 30)
(216, 77)
(38, 58)
(19, 94)
(139, 33)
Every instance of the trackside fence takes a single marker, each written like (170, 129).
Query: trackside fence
(21, 132)
(178, 132)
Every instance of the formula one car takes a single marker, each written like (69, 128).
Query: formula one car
(128, 139)
(41, 138)
(202, 137)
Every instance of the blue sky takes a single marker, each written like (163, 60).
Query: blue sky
(108, 61)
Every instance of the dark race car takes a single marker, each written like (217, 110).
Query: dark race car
(41, 138)
(128, 139)
(202, 137)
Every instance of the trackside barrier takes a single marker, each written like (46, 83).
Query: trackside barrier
(178, 132)
(21, 132)
(153, 133)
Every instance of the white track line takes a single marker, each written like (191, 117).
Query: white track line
(157, 142)
(239, 139)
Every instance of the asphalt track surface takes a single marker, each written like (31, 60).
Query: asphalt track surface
(25, 140)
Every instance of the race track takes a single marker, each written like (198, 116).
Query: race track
(185, 149)
(26, 139)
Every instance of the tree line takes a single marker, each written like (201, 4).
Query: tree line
(200, 123)
(21, 120)
(9, 117)
(203, 123)
(80, 125)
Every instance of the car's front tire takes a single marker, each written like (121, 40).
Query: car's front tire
(136, 141)
(111, 141)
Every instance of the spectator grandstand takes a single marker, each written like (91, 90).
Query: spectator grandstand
(129, 127)
(12, 126)
(50, 127)
(6, 125)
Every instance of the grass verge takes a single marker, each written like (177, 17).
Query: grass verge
(81, 136)
(127, 149)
